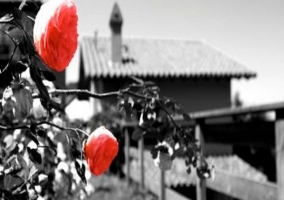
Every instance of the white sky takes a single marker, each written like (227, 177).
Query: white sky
(251, 32)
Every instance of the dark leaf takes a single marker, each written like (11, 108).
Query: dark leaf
(33, 173)
(163, 149)
(5, 194)
(13, 170)
(154, 152)
(23, 21)
(75, 152)
(80, 171)
(17, 67)
(186, 116)
(32, 136)
(187, 161)
(34, 178)
(14, 151)
(194, 161)
(48, 75)
(203, 172)
(33, 128)
(128, 106)
(43, 179)
(51, 143)
(34, 155)
(169, 103)
(137, 134)
(188, 170)
(41, 133)
(120, 105)
(36, 76)
(177, 107)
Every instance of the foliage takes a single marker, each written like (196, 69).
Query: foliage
(35, 129)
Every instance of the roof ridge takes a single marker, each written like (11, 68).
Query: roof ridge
(201, 40)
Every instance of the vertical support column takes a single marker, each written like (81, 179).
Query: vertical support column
(279, 137)
(162, 184)
(200, 184)
(126, 151)
(141, 162)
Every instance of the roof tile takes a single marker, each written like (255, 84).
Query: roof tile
(160, 58)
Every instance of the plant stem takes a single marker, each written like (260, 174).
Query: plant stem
(76, 130)
(13, 128)
(22, 4)
(93, 95)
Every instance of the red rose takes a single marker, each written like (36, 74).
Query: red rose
(100, 149)
(55, 33)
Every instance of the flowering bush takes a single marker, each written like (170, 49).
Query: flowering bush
(39, 145)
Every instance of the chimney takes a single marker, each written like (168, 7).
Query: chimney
(116, 40)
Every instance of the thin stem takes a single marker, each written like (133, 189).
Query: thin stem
(168, 114)
(20, 186)
(22, 4)
(84, 92)
(62, 128)
(87, 93)
(13, 128)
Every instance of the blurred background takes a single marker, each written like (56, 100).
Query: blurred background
(250, 32)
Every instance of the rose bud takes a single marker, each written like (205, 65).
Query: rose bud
(100, 149)
(55, 33)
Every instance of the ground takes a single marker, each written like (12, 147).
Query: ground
(109, 186)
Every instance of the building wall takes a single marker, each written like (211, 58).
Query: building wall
(192, 94)
(197, 94)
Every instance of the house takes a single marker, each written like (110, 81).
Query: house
(189, 71)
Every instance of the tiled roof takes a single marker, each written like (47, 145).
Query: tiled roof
(149, 57)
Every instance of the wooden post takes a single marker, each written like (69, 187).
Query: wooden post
(141, 163)
(126, 151)
(200, 184)
(162, 184)
(279, 137)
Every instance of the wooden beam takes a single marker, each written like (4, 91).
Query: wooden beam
(279, 137)
(162, 187)
(141, 163)
(127, 156)
(200, 184)
(150, 184)
(223, 112)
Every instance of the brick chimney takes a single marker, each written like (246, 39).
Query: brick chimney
(116, 40)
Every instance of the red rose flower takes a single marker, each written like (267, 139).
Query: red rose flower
(55, 33)
(100, 149)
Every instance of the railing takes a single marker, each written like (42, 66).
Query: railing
(209, 127)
